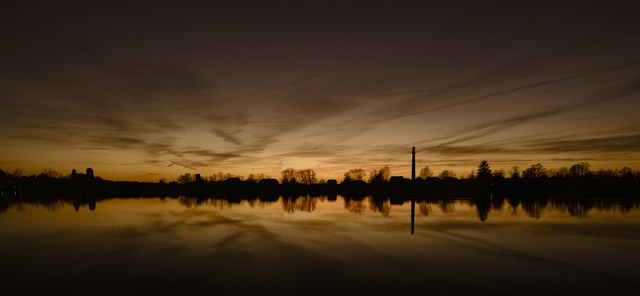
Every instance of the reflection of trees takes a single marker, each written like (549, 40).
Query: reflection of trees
(483, 206)
(53, 205)
(513, 203)
(625, 205)
(424, 208)
(446, 206)
(289, 204)
(575, 208)
(381, 205)
(354, 205)
(4, 205)
(220, 203)
(534, 207)
(497, 202)
(187, 202)
(305, 203)
(301, 203)
(579, 209)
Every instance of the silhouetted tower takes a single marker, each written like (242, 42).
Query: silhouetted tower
(74, 174)
(413, 163)
(198, 178)
(89, 173)
(413, 177)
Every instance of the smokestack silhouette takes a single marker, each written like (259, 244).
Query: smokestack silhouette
(413, 163)
(413, 177)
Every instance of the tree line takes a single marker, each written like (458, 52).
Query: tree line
(483, 171)
(578, 179)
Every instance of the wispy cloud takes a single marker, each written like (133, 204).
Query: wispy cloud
(172, 163)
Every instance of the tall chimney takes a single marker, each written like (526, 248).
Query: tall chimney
(413, 163)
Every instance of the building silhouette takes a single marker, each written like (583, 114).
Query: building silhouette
(87, 177)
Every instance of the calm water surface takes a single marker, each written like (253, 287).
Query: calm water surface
(322, 246)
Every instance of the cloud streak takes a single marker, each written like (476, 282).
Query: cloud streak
(209, 90)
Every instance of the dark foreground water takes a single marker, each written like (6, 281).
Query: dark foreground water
(321, 246)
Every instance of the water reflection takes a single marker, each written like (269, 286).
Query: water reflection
(354, 205)
(483, 206)
(425, 208)
(230, 244)
(303, 203)
(380, 205)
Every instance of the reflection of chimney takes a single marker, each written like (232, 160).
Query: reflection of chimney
(413, 163)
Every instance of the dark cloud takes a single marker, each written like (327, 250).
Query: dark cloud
(220, 86)
(296, 81)
(604, 144)
(227, 136)
(487, 128)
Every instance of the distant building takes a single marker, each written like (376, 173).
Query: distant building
(89, 176)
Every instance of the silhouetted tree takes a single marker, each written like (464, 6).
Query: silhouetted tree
(288, 176)
(484, 170)
(17, 173)
(498, 174)
(354, 175)
(626, 172)
(425, 173)
(185, 179)
(446, 174)
(535, 171)
(579, 170)
(306, 177)
(50, 174)
(382, 175)
(562, 172)
(220, 176)
(3, 175)
(253, 178)
(608, 173)
(515, 172)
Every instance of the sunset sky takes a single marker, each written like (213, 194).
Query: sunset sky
(141, 91)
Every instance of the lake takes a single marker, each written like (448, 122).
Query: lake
(320, 245)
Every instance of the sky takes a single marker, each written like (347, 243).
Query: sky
(143, 91)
